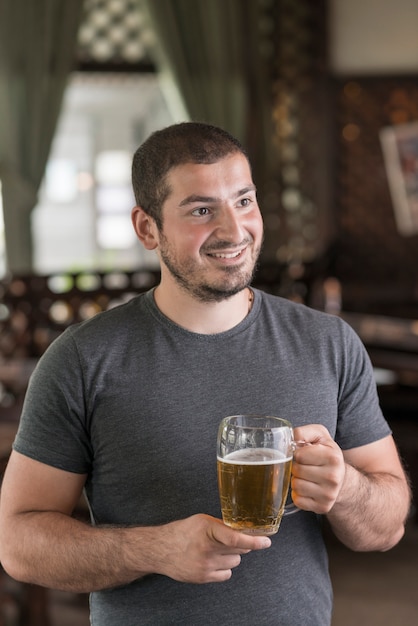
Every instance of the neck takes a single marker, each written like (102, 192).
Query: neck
(206, 318)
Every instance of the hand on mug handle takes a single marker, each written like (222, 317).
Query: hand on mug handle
(291, 508)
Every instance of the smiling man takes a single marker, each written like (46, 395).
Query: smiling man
(127, 405)
(208, 238)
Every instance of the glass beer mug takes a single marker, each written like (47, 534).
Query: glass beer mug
(254, 459)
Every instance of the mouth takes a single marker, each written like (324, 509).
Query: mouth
(226, 255)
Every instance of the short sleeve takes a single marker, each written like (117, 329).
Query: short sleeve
(53, 425)
(360, 419)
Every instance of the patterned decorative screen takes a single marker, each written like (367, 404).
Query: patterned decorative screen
(113, 31)
(295, 203)
(299, 120)
(378, 266)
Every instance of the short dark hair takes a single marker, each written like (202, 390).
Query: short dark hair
(187, 142)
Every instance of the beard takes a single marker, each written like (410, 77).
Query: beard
(191, 278)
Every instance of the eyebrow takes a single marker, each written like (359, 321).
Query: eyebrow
(210, 199)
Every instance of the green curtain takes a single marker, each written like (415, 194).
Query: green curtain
(37, 48)
(203, 45)
(212, 52)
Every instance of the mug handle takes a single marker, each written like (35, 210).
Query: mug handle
(291, 508)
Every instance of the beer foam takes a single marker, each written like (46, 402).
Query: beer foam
(255, 456)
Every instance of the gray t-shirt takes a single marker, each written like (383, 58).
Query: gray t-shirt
(135, 401)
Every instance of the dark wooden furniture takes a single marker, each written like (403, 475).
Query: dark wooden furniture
(26, 604)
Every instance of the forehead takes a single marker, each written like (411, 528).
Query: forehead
(222, 178)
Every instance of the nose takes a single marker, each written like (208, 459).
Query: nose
(229, 226)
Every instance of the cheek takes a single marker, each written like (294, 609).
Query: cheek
(194, 239)
(255, 225)
(188, 242)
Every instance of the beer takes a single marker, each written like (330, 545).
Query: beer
(253, 487)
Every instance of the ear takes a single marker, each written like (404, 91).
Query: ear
(145, 228)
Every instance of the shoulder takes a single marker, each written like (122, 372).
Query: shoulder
(294, 318)
(121, 317)
(295, 311)
(104, 332)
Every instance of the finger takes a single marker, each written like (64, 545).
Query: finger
(329, 474)
(229, 562)
(311, 504)
(319, 454)
(220, 576)
(222, 573)
(312, 433)
(320, 502)
(316, 455)
(238, 542)
(313, 485)
(222, 570)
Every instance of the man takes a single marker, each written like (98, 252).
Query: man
(127, 406)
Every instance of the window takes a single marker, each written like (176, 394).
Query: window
(82, 220)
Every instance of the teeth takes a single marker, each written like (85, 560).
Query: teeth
(231, 255)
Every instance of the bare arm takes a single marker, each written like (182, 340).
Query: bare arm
(363, 491)
(40, 542)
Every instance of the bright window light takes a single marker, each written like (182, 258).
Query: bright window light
(61, 181)
(114, 200)
(83, 222)
(115, 232)
(113, 167)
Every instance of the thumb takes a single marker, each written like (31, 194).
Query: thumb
(238, 540)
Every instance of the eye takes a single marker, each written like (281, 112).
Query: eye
(244, 202)
(201, 211)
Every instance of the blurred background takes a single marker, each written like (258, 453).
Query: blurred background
(322, 93)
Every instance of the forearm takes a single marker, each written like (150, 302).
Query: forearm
(56, 551)
(371, 510)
